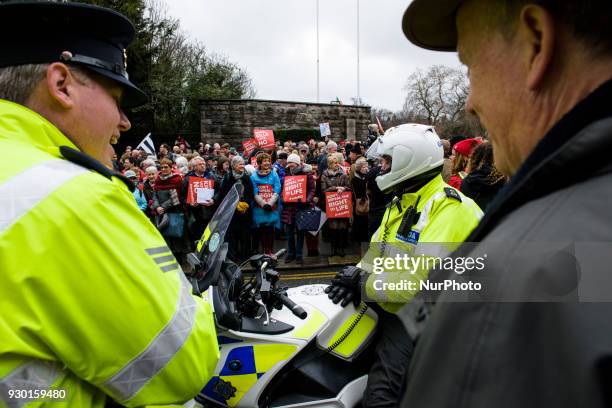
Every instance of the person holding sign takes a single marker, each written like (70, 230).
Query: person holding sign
(266, 213)
(334, 180)
(239, 233)
(197, 190)
(295, 237)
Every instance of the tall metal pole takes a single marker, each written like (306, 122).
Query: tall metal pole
(318, 100)
(358, 90)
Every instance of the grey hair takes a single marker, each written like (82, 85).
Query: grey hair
(196, 159)
(181, 161)
(147, 163)
(151, 169)
(17, 83)
(235, 160)
(331, 143)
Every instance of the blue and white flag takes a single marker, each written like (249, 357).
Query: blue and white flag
(147, 145)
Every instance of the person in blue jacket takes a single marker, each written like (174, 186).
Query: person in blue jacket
(266, 212)
(280, 164)
(138, 194)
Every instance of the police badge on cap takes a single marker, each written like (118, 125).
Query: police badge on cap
(38, 32)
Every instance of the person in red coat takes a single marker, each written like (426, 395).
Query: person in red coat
(461, 156)
(167, 188)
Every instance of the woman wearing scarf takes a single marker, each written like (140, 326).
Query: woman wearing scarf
(266, 212)
(295, 237)
(167, 188)
(238, 236)
(222, 168)
(334, 179)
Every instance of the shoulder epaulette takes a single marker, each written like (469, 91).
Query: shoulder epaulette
(452, 193)
(90, 163)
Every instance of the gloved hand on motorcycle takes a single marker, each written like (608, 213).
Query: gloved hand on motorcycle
(346, 286)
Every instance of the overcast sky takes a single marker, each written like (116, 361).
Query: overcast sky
(275, 41)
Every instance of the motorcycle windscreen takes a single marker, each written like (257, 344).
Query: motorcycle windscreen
(209, 246)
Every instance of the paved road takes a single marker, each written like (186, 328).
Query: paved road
(308, 276)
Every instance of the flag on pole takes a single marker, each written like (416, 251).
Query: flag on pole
(379, 125)
(147, 145)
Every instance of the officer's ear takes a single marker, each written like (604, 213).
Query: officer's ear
(62, 85)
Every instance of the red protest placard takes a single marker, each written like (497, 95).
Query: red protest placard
(266, 191)
(346, 169)
(249, 145)
(264, 137)
(200, 190)
(339, 205)
(294, 187)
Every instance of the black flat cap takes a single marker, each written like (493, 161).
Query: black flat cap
(431, 24)
(38, 32)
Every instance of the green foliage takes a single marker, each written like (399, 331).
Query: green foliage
(174, 71)
(297, 135)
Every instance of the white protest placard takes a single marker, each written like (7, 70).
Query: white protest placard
(325, 129)
(204, 195)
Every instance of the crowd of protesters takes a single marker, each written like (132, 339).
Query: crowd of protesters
(261, 216)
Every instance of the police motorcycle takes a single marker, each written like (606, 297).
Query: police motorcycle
(279, 347)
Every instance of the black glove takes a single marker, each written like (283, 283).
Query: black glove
(346, 286)
(267, 207)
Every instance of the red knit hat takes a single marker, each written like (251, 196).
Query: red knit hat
(466, 147)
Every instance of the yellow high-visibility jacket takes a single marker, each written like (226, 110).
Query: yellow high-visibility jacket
(445, 216)
(92, 301)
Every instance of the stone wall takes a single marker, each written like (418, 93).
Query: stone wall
(232, 121)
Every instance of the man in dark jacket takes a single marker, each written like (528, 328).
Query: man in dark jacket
(539, 333)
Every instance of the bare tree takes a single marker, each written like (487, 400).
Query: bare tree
(436, 94)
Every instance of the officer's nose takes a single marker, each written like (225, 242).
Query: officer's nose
(124, 122)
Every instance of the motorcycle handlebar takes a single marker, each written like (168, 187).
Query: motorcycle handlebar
(291, 305)
(280, 253)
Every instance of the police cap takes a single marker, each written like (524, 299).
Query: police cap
(38, 32)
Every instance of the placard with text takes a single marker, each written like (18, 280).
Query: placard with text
(339, 205)
(264, 138)
(249, 145)
(200, 190)
(294, 188)
(266, 191)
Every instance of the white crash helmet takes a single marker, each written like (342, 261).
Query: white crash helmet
(414, 150)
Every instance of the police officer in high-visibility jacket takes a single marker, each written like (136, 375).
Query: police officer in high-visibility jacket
(425, 210)
(94, 305)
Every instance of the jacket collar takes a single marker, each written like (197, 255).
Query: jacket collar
(20, 124)
(574, 150)
(425, 193)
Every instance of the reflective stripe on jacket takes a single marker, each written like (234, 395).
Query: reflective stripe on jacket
(93, 301)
